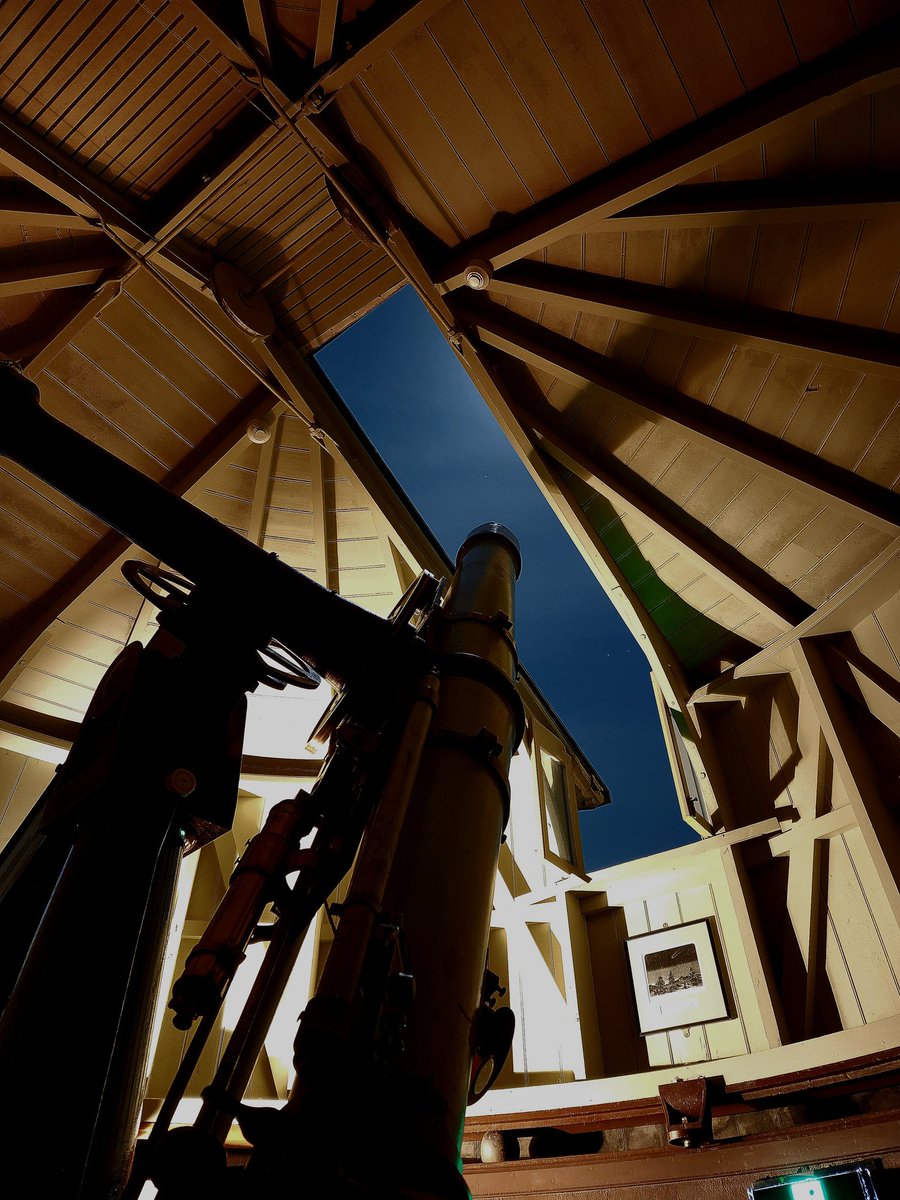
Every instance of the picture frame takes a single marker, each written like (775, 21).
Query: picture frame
(676, 977)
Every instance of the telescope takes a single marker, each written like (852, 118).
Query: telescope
(413, 794)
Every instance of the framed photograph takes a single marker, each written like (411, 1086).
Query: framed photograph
(676, 977)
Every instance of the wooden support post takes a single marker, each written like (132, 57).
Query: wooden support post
(323, 519)
(770, 1029)
(262, 485)
(854, 768)
(329, 14)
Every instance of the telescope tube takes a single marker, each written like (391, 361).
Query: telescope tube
(336, 637)
(339, 1130)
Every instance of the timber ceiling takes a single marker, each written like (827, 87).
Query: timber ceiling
(662, 236)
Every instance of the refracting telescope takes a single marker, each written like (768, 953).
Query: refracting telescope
(413, 795)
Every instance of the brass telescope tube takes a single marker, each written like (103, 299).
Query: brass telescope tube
(442, 878)
(439, 884)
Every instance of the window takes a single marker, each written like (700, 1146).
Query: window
(557, 830)
(556, 795)
(692, 798)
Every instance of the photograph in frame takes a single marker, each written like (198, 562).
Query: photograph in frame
(675, 976)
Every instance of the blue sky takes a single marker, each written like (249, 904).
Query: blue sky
(402, 382)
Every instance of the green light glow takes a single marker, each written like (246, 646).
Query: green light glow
(807, 1189)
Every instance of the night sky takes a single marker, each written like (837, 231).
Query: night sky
(403, 384)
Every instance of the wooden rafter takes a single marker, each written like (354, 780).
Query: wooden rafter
(625, 488)
(262, 484)
(47, 168)
(823, 481)
(258, 28)
(329, 15)
(21, 633)
(760, 202)
(35, 209)
(805, 905)
(374, 33)
(578, 526)
(774, 332)
(51, 276)
(867, 65)
(872, 586)
(865, 681)
(31, 725)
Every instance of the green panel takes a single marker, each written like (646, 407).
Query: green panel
(694, 638)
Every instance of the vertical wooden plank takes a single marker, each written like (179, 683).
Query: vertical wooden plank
(323, 521)
(886, 927)
(804, 907)
(853, 767)
(689, 1044)
(624, 1051)
(258, 27)
(874, 982)
(329, 11)
(584, 996)
(754, 975)
(663, 911)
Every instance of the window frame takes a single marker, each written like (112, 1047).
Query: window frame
(546, 742)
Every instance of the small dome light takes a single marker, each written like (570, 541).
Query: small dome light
(478, 275)
(258, 432)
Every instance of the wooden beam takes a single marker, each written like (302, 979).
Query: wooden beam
(854, 768)
(625, 488)
(50, 277)
(869, 64)
(871, 586)
(775, 332)
(579, 527)
(825, 826)
(258, 28)
(35, 734)
(772, 1030)
(23, 631)
(36, 210)
(329, 13)
(759, 202)
(375, 32)
(800, 469)
(262, 484)
(44, 166)
(865, 681)
(42, 356)
(805, 909)
(255, 766)
(324, 517)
